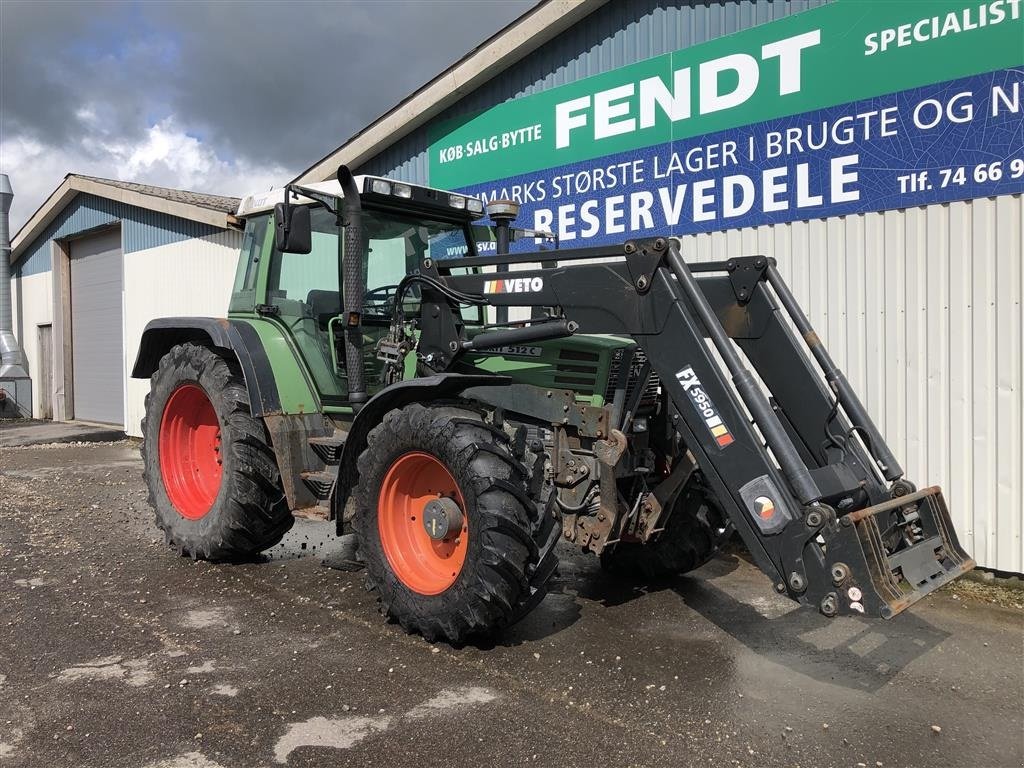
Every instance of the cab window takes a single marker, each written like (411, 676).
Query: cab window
(301, 283)
(253, 241)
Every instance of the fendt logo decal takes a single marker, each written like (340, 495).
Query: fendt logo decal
(515, 285)
(702, 402)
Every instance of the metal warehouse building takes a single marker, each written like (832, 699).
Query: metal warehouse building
(797, 130)
(93, 265)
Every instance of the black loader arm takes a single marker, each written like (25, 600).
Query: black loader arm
(791, 453)
(162, 334)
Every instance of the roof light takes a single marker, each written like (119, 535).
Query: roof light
(381, 187)
(402, 190)
(503, 209)
(475, 205)
(456, 201)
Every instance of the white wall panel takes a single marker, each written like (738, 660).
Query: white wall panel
(33, 306)
(922, 310)
(191, 277)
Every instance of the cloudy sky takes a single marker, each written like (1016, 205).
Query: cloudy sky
(224, 97)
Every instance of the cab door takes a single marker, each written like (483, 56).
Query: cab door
(303, 294)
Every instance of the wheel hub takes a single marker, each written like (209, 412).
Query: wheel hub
(442, 519)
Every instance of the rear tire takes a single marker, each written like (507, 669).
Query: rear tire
(212, 476)
(470, 583)
(691, 538)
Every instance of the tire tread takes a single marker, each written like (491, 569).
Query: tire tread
(251, 513)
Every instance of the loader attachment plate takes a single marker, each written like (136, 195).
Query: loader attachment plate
(909, 547)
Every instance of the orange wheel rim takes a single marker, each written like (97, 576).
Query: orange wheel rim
(425, 565)
(190, 451)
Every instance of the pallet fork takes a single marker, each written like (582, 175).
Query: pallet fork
(792, 455)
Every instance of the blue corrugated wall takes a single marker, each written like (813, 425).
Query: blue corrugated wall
(140, 229)
(619, 33)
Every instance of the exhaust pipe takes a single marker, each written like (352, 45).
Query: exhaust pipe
(12, 364)
(353, 288)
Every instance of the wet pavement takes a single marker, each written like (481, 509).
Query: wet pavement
(16, 433)
(114, 652)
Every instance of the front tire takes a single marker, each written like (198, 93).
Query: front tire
(483, 572)
(212, 477)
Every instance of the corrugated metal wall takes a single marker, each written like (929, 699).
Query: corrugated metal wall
(141, 229)
(32, 308)
(616, 34)
(922, 310)
(188, 278)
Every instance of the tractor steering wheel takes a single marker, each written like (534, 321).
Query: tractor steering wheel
(381, 295)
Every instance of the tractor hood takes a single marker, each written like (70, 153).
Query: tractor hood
(588, 365)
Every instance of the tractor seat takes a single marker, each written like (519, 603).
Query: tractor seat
(324, 305)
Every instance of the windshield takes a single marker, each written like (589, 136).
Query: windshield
(396, 246)
(307, 284)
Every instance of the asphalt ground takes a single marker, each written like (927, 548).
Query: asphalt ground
(115, 652)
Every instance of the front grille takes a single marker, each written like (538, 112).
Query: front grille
(649, 398)
(577, 370)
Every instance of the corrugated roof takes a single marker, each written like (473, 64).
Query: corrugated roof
(214, 210)
(201, 199)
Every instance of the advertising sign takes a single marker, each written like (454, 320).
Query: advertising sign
(857, 106)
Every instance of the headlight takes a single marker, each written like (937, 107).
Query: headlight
(456, 201)
(475, 205)
(381, 187)
(402, 190)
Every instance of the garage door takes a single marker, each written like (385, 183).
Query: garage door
(97, 345)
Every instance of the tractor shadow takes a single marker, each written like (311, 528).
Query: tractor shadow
(314, 538)
(579, 579)
(728, 592)
(556, 612)
(860, 654)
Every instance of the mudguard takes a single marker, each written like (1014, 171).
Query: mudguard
(398, 395)
(239, 337)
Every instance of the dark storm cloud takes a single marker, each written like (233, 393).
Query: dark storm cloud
(37, 91)
(275, 83)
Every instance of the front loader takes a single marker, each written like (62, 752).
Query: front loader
(646, 410)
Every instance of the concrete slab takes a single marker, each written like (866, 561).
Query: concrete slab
(20, 433)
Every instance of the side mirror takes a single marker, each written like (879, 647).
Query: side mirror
(293, 232)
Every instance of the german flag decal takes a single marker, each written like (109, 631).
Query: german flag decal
(702, 402)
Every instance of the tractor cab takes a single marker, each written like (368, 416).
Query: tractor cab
(300, 284)
(292, 273)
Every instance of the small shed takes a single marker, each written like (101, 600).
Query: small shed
(96, 262)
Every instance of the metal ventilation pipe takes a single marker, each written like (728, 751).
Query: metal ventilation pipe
(11, 359)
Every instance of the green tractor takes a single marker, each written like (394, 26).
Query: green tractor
(368, 373)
